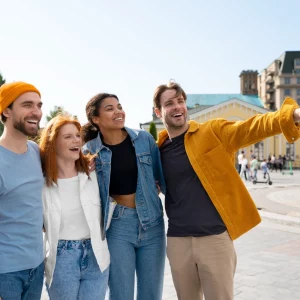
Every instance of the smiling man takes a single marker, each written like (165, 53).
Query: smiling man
(21, 182)
(207, 204)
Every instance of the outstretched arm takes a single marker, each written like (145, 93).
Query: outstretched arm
(236, 135)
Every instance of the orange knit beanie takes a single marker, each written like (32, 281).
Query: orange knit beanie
(9, 92)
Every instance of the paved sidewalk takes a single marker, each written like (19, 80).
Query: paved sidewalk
(268, 265)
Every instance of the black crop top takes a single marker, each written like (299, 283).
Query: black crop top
(124, 172)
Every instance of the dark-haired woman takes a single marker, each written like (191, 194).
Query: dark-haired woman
(128, 167)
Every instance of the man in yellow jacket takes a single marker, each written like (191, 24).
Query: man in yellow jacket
(207, 203)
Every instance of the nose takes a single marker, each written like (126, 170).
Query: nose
(76, 139)
(177, 105)
(36, 111)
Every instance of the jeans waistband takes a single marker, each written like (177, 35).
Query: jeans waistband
(125, 210)
(74, 244)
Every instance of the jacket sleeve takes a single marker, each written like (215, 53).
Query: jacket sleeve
(156, 164)
(236, 135)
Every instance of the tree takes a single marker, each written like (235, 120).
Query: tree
(152, 130)
(2, 81)
(56, 111)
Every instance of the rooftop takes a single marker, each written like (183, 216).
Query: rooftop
(193, 100)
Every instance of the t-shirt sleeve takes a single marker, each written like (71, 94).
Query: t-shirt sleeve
(1, 186)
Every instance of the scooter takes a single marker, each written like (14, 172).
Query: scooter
(267, 177)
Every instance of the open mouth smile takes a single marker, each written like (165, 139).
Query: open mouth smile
(177, 115)
(74, 149)
(34, 122)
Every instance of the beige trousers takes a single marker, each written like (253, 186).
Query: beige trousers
(202, 266)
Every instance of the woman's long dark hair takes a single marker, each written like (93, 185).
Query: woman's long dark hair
(91, 130)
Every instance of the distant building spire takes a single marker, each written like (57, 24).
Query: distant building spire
(249, 82)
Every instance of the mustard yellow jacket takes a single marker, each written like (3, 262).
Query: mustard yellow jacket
(211, 148)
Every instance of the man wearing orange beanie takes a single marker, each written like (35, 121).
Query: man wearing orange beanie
(21, 183)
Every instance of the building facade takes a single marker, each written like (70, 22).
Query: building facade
(279, 80)
(236, 107)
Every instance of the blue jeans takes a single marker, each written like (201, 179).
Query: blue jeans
(77, 274)
(22, 285)
(135, 250)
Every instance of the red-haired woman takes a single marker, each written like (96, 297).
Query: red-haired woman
(77, 259)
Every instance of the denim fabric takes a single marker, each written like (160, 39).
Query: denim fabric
(22, 285)
(137, 251)
(77, 274)
(148, 204)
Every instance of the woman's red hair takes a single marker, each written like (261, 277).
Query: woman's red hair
(48, 152)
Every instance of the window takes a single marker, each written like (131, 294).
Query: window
(290, 151)
(298, 101)
(259, 151)
(297, 62)
(298, 92)
(287, 92)
(287, 80)
(298, 80)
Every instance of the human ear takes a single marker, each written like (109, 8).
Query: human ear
(157, 112)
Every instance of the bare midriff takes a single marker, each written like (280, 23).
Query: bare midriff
(125, 200)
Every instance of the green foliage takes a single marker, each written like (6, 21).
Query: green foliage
(1, 128)
(153, 130)
(56, 111)
(2, 81)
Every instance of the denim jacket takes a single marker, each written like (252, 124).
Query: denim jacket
(148, 203)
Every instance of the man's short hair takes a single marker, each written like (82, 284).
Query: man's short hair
(165, 87)
(2, 117)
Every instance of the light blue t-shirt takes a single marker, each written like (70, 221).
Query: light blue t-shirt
(21, 209)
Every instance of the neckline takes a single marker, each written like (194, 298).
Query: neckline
(74, 178)
(116, 145)
(14, 153)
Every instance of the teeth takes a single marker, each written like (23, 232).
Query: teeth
(32, 121)
(119, 119)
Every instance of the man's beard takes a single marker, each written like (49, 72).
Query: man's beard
(172, 124)
(19, 125)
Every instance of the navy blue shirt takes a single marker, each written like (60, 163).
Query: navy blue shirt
(188, 206)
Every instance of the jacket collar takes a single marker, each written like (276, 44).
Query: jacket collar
(98, 145)
(163, 135)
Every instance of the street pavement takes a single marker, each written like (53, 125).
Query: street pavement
(268, 266)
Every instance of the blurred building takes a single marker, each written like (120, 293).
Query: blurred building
(249, 102)
(280, 79)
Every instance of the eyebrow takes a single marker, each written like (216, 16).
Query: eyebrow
(107, 105)
(169, 100)
(70, 133)
(119, 104)
(30, 102)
